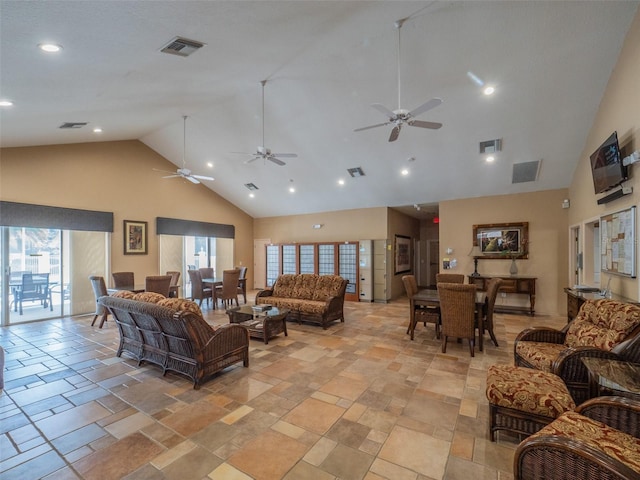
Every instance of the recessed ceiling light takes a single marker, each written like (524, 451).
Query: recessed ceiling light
(97, 130)
(210, 164)
(489, 90)
(490, 158)
(6, 103)
(251, 195)
(404, 172)
(341, 182)
(49, 47)
(292, 190)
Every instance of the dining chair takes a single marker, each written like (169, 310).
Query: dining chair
(99, 290)
(122, 279)
(206, 272)
(420, 313)
(492, 293)
(457, 313)
(449, 278)
(228, 292)
(242, 283)
(198, 291)
(158, 284)
(174, 286)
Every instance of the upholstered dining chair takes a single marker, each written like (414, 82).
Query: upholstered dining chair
(449, 278)
(457, 313)
(123, 279)
(242, 285)
(158, 284)
(99, 290)
(173, 286)
(206, 272)
(198, 290)
(228, 292)
(420, 313)
(492, 293)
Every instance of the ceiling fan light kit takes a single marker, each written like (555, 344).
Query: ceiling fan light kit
(402, 116)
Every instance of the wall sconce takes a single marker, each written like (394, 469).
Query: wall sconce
(566, 203)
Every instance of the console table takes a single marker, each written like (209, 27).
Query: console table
(510, 284)
(575, 299)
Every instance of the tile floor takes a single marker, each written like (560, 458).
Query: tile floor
(356, 401)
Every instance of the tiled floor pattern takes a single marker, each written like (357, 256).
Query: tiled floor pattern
(356, 401)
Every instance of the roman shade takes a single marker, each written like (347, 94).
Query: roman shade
(13, 214)
(174, 226)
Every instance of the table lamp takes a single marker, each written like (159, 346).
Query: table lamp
(475, 253)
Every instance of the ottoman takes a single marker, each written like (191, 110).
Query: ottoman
(523, 400)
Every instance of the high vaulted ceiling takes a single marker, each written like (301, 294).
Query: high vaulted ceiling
(325, 64)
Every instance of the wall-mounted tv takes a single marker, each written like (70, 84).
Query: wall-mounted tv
(606, 165)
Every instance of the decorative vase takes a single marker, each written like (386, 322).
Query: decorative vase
(514, 268)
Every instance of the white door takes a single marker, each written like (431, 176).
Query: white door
(260, 262)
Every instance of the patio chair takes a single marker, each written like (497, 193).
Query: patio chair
(34, 287)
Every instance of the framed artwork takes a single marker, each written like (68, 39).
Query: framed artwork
(402, 254)
(502, 240)
(135, 237)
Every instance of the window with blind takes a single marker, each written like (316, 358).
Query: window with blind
(348, 265)
(326, 259)
(289, 263)
(273, 264)
(307, 259)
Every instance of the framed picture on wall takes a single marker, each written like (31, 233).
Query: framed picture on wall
(135, 237)
(402, 255)
(502, 240)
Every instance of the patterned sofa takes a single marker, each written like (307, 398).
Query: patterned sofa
(603, 328)
(600, 439)
(313, 298)
(171, 333)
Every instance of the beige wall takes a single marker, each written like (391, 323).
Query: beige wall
(118, 177)
(548, 241)
(619, 110)
(400, 224)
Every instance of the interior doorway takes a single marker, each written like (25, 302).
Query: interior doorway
(433, 261)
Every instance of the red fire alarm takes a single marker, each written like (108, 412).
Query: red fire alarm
(436, 219)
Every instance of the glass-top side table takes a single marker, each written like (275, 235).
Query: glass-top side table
(613, 377)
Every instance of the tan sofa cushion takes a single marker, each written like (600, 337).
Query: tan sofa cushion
(123, 294)
(284, 286)
(539, 354)
(181, 305)
(328, 286)
(149, 297)
(602, 324)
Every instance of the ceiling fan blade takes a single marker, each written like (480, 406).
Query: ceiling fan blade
(251, 160)
(394, 133)
(371, 126)
(163, 171)
(433, 103)
(421, 124)
(285, 155)
(244, 153)
(202, 177)
(277, 161)
(172, 176)
(384, 110)
(191, 179)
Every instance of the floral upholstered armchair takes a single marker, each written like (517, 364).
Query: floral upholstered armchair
(603, 328)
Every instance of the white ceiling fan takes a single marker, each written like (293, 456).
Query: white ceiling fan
(264, 152)
(401, 116)
(184, 172)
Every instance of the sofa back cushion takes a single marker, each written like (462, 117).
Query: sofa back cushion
(306, 284)
(149, 297)
(603, 324)
(181, 305)
(327, 286)
(284, 286)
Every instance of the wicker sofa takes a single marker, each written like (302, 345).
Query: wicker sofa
(309, 297)
(172, 334)
(603, 328)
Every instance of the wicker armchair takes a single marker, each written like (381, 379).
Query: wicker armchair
(449, 278)
(457, 313)
(228, 291)
(158, 284)
(599, 440)
(174, 285)
(603, 328)
(420, 313)
(198, 290)
(123, 279)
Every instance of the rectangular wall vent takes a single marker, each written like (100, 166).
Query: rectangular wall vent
(73, 124)
(526, 172)
(356, 172)
(182, 46)
(251, 186)
(491, 146)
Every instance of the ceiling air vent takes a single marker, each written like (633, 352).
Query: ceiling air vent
(526, 172)
(73, 124)
(251, 186)
(491, 146)
(355, 172)
(182, 46)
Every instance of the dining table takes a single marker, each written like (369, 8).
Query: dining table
(429, 298)
(129, 288)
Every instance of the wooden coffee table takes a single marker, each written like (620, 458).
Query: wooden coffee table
(264, 325)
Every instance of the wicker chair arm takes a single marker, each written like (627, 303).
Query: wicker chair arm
(541, 334)
(621, 413)
(267, 292)
(569, 364)
(226, 338)
(559, 458)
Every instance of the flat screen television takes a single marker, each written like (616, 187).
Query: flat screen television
(606, 165)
